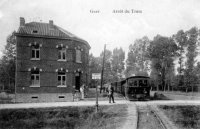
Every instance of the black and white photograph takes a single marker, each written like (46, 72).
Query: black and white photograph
(100, 64)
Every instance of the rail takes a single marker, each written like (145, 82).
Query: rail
(157, 117)
(155, 112)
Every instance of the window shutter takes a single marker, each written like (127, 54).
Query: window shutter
(69, 55)
(68, 79)
(78, 56)
(59, 54)
(32, 53)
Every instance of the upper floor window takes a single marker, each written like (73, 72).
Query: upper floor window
(62, 50)
(35, 53)
(78, 56)
(62, 54)
(35, 50)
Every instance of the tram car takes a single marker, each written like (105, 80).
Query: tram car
(119, 87)
(134, 88)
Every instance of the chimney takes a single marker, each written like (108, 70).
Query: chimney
(22, 21)
(51, 23)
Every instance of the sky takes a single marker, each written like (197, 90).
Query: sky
(120, 29)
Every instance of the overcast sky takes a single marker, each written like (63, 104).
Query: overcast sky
(163, 17)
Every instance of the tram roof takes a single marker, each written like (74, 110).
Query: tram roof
(137, 77)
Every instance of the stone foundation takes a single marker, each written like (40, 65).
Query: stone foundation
(50, 97)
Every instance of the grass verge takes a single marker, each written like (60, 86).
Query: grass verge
(184, 117)
(63, 118)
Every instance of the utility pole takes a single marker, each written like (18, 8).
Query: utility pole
(97, 105)
(103, 67)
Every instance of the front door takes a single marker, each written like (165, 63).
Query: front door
(77, 81)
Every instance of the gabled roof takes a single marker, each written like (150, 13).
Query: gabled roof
(47, 30)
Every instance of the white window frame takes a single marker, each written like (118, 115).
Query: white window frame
(62, 51)
(34, 82)
(78, 56)
(33, 49)
(62, 82)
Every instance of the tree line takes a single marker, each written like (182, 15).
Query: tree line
(171, 62)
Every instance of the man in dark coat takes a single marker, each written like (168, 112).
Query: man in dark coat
(111, 92)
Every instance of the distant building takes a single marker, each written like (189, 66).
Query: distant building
(50, 61)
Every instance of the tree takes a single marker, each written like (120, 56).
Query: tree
(130, 63)
(94, 67)
(181, 40)
(107, 76)
(162, 51)
(94, 64)
(191, 54)
(137, 61)
(7, 63)
(117, 62)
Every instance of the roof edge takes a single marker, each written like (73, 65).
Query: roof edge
(54, 37)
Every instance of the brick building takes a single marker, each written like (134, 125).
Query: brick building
(50, 61)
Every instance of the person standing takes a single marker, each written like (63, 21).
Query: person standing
(82, 91)
(73, 93)
(111, 92)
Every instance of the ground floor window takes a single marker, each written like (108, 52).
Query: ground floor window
(61, 79)
(35, 78)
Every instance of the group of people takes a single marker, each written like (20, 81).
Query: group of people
(79, 94)
(82, 93)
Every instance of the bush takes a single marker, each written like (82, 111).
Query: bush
(184, 116)
(60, 118)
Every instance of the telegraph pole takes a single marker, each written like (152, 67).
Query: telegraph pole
(103, 67)
(97, 105)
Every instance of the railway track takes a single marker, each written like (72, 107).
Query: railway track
(158, 118)
(149, 117)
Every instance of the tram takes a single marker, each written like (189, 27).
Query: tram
(134, 87)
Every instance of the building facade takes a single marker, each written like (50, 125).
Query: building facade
(50, 61)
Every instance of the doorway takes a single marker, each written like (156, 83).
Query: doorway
(77, 81)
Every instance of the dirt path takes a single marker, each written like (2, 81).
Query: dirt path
(58, 104)
(147, 119)
(132, 118)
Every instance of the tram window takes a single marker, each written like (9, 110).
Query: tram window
(131, 90)
(130, 82)
(140, 83)
(135, 83)
(145, 82)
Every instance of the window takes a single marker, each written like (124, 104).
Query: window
(35, 79)
(62, 54)
(130, 81)
(61, 79)
(78, 56)
(35, 53)
(60, 97)
(35, 31)
(140, 83)
(145, 82)
(34, 97)
(135, 83)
